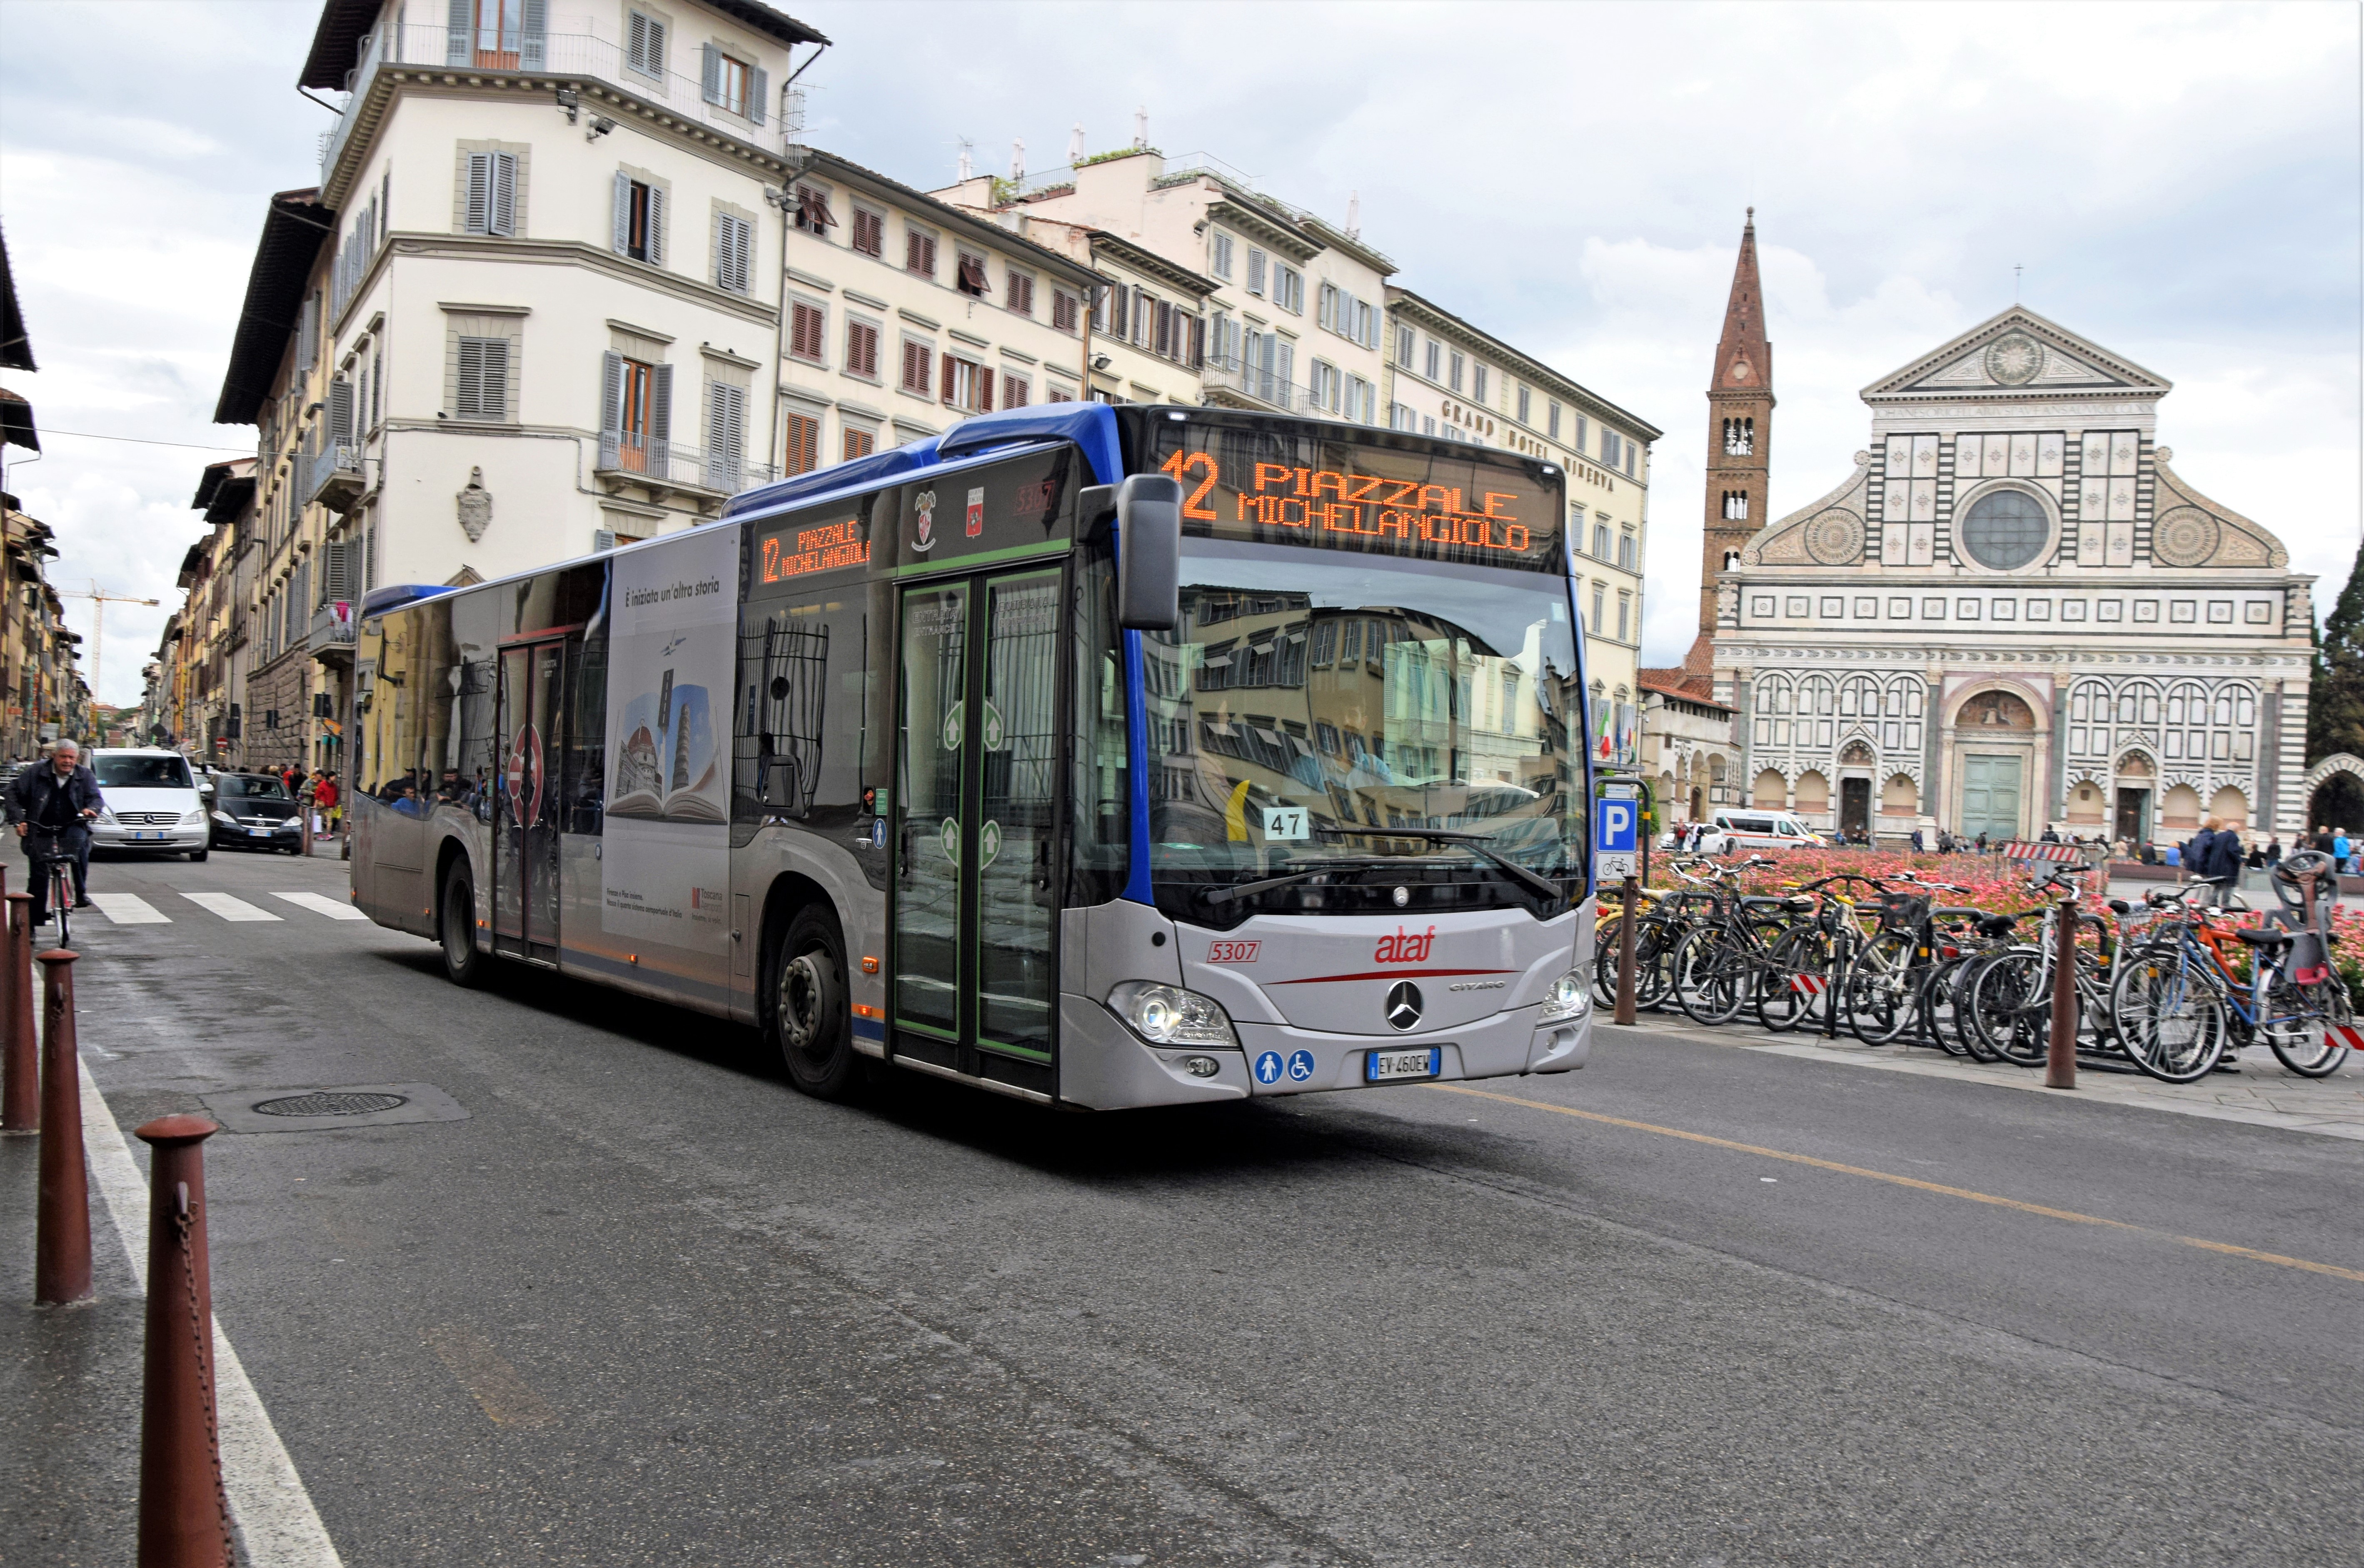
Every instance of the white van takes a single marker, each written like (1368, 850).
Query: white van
(1745, 830)
(152, 806)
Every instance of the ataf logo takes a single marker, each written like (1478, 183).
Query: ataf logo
(1405, 947)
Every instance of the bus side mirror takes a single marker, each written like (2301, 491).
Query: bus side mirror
(1149, 552)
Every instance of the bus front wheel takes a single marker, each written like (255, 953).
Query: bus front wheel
(811, 1021)
(463, 964)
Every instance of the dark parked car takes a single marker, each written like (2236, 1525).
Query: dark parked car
(254, 811)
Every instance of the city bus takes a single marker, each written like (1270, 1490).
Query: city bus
(1101, 756)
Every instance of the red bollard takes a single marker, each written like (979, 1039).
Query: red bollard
(62, 1249)
(184, 1512)
(2060, 1055)
(20, 1069)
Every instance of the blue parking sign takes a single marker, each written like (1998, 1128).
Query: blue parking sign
(1617, 826)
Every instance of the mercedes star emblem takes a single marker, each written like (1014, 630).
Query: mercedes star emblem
(1403, 1005)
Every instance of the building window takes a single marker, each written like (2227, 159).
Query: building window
(644, 45)
(807, 327)
(1626, 549)
(491, 202)
(1067, 310)
(1435, 358)
(857, 443)
(1289, 289)
(639, 219)
(918, 251)
(1403, 416)
(1477, 382)
(1551, 417)
(635, 421)
(1599, 605)
(1362, 401)
(869, 232)
(803, 453)
(733, 86)
(1255, 270)
(1624, 615)
(1452, 372)
(813, 216)
(862, 349)
(726, 435)
(1739, 438)
(918, 361)
(970, 274)
(1015, 391)
(967, 385)
(734, 244)
(1735, 504)
(483, 384)
(1601, 541)
(1020, 293)
(1218, 254)
(1526, 406)
(1406, 339)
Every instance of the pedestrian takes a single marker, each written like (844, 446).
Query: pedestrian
(62, 797)
(2220, 858)
(324, 797)
(2322, 838)
(2049, 836)
(2340, 848)
(1919, 847)
(2274, 850)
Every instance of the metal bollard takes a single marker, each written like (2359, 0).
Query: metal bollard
(184, 1512)
(21, 1061)
(2060, 1057)
(1625, 950)
(61, 1247)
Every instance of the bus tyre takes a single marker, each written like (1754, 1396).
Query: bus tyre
(463, 964)
(810, 1016)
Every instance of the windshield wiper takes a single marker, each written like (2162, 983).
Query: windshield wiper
(1473, 842)
(1249, 889)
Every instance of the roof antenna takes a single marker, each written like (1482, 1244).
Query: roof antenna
(1017, 161)
(967, 159)
(1354, 215)
(1075, 145)
(2016, 270)
(1140, 129)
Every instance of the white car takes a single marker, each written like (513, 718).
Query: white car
(152, 806)
(1748, 830)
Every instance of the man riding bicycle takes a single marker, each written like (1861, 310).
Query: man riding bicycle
(59, 798)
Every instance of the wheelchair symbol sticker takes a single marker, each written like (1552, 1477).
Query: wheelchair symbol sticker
(1300, 1066)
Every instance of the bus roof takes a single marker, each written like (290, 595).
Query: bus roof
(1091, 425)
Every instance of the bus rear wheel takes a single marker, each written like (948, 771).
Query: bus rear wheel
(809, 1019)
(456, 928)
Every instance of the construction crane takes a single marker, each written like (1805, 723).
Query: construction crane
(99, 601)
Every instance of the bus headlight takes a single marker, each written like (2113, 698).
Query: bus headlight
(1569, 997)
(1167, 1014)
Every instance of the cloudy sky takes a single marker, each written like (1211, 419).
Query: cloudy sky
(2180, 184)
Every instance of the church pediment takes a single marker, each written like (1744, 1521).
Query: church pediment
(1831, 532)
(2011, 356)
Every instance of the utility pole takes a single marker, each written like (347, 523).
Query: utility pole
(98, 625)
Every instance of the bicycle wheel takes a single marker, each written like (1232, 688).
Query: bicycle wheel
(1654, 955)
(1707, 977)
(1977, 1043)
(62, 900)
(2169, 1016)
(1940, 1020)
(1878, 995)
(2011, 1007)
(1607, 944)
(2305, 1025)
(1796, 974)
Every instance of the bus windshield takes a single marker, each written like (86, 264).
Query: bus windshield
(1359, 715)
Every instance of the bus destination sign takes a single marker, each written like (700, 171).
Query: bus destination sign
(1331, 494)
(797, 549)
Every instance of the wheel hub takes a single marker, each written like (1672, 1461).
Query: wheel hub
(801, 988)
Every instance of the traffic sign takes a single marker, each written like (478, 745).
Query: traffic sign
(1616, 835)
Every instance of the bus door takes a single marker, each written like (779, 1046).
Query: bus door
(525, 813)
(971, 912)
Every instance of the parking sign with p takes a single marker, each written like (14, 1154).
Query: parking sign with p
(1616, 836)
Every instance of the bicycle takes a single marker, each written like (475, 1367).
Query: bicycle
(1812, 956)
(1882, 991)
(51, 859)
(1666, 918)
(1719, 965)
(2008, 993)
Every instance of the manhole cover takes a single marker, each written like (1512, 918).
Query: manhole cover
(331, 1102)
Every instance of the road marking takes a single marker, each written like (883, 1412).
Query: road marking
(1966, 1194)
(129, 909)
(228, 908)
(276, 1523)
(492, 1382)
(321, 904)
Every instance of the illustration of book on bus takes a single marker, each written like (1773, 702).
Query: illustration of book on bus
(668, 767)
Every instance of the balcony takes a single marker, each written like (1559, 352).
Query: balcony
(558, 57)
(1253, 386)
(331, 476)
(629, 460)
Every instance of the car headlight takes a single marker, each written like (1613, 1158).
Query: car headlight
(106, 816)
(1167, 1014)
(1569, 997)
(224, 816)
(194, 818)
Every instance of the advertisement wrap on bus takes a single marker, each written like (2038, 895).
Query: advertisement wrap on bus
(1100, 756)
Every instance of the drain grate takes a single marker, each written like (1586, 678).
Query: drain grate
(331, 1102)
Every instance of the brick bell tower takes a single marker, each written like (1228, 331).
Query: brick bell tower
(1739, 428)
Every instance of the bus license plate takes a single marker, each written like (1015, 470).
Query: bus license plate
(1394, 1066)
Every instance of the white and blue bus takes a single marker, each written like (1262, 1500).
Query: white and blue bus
(1098, 756)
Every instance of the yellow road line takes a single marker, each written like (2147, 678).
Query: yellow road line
(1939, 1187)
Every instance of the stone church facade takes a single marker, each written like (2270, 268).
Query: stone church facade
(2013, 613)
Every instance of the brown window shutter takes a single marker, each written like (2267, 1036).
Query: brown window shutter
(984, 390)
(948, 378)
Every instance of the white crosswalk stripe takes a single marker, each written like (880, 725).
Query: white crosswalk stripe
(129, 909)
(321, 904)
(228, 907)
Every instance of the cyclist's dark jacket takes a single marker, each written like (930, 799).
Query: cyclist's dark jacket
(38, 795)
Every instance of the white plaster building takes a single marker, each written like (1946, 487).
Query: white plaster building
(2015, 613)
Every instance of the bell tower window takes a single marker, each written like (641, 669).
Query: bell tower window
(1739, 436)
(1736, 505)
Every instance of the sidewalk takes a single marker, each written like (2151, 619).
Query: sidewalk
(2262, 1093)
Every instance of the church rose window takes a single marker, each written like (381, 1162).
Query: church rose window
(2005, 530)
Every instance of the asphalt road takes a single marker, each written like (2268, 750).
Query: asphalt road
(647, 1305)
